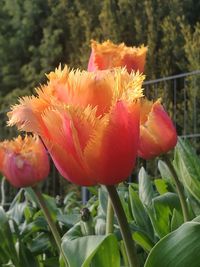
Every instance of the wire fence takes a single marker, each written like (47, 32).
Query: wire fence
(181, 98)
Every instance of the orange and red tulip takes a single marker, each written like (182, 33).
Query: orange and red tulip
(157, 132)
(108, 55)
(24, 162)
(89, 121)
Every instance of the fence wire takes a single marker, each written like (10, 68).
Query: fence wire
(180, 96)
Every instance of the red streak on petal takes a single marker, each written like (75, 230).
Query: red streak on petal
(68, 167)
(158, 134)
(111, 156)
(163, 128)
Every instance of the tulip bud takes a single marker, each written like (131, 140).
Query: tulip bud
(24, 162)
(157, 132)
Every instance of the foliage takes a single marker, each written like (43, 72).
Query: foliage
(152, 208)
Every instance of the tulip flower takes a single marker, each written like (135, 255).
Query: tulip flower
(89, 121)
(157, 132)
(108, 55)
(24, 162)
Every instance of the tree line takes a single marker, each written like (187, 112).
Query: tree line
(35, 36)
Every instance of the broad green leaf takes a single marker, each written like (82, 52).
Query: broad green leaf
(107, 254)
(92, 251)
(162, 212)
(180, 248)
(145, 188)
(39, 224)
(73, 233)
(139, 213)
(187, 165)
(193, 205)
(164, 171)
(39, 244)
(7, 244)
(51, 204)
(16, 213)
(49, 201)
(126, 208)
(70, 198)
(143, 240)
(28, 213)
(30, 195)
(69, 219)
(177, 220)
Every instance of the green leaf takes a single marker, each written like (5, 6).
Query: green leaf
(107, 254)
(49, 201)
(180, 248)
(162, 212)
(69, 219)
(177, 220)
(17, 198)
(73, 233)
(100, 225)
(161, 186)
(145, 188)
(92, 251)
(26, 257)
(16, 213)
(7, 244)
(139, 213)
(143, 240)
(39, 244)
(187, 165)
(39, 224)
(165, 171)
(197, 219)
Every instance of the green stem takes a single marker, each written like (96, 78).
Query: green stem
(124, 227)
(123, 252)
(109, 217)
(49, 220)
(3, 197)
(179, 189)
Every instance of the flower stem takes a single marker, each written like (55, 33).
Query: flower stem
(109, 217)
(179, 189)
(124, 227)
(3, 197)
(49, 220)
